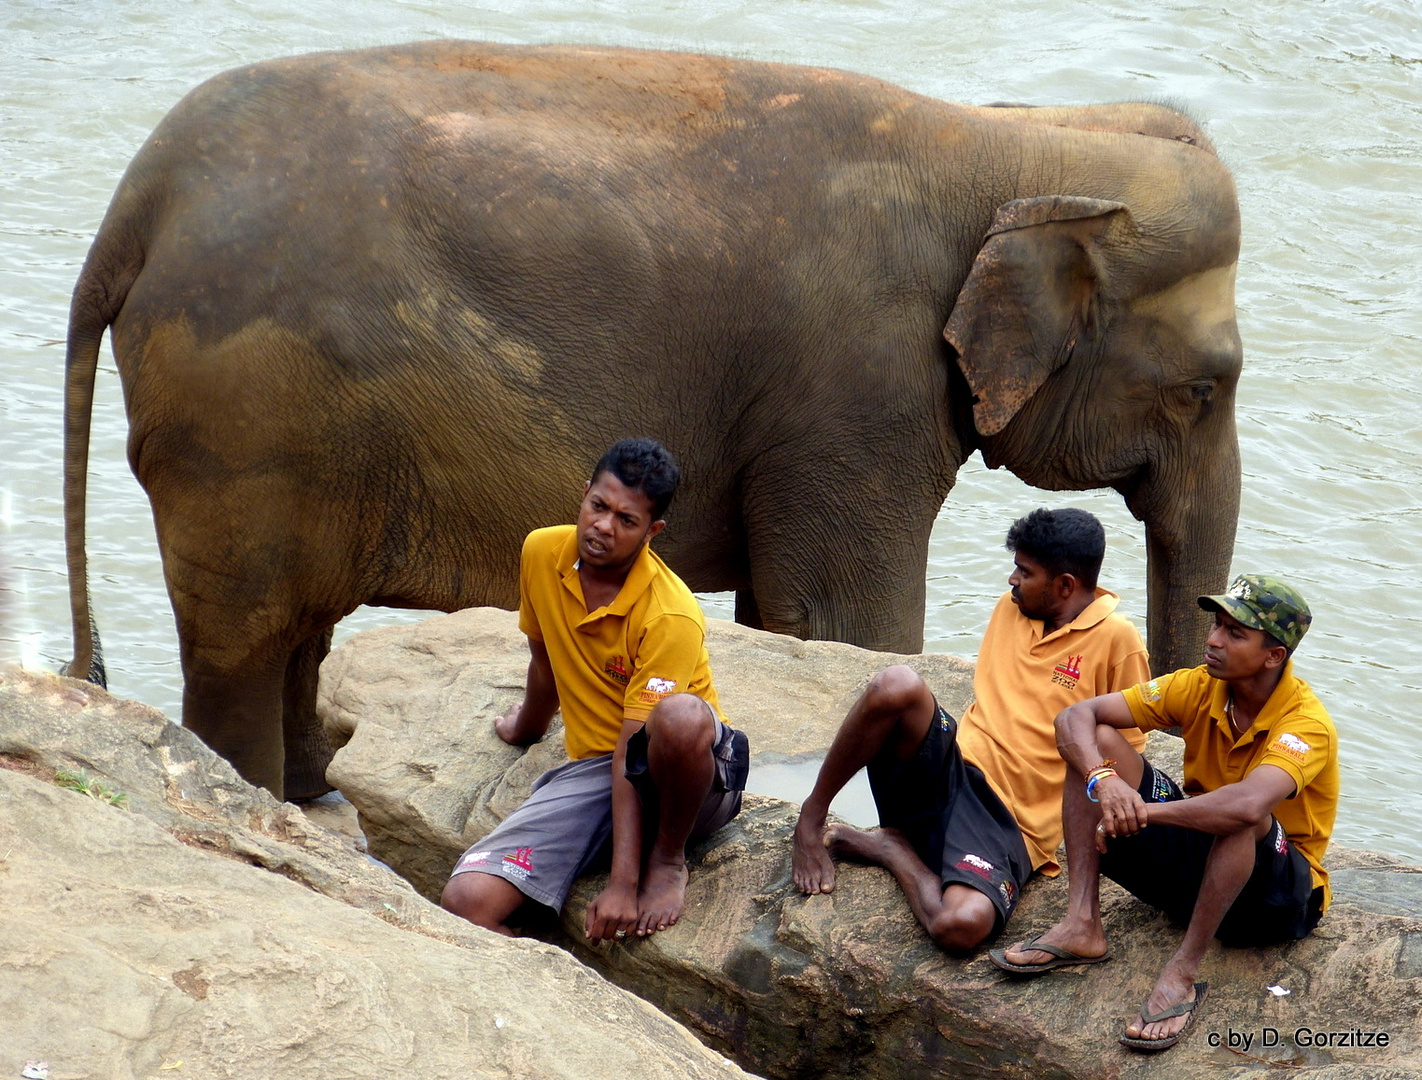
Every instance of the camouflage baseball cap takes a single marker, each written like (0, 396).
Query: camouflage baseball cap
(1264, 603)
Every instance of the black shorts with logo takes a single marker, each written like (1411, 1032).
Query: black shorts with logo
(952, 817)
(1165, 864)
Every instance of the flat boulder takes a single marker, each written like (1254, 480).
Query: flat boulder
(163, 918)
(847, 984)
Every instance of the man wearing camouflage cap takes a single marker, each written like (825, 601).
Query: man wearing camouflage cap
(1238, 854)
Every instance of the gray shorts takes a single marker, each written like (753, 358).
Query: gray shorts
(564, 828)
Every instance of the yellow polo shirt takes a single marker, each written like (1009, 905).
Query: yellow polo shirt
(1023, 679)
(621, 659)
(1293, 731)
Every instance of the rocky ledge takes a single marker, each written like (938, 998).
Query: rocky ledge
(847, 985)
(161, 918)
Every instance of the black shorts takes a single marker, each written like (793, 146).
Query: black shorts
(952, 818)
(1165, 864)
(731, 756)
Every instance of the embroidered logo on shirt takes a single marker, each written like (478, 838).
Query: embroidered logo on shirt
(1151, 691)
(1068, 673)
(520, 863)
(977, 865)
(616, 670)
(657, 689)
(1293, 746)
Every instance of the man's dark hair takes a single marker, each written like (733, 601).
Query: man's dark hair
(643, 465)
(1066, 541)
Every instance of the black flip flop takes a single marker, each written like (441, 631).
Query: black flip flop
(1060, 958)
(1184, 1008)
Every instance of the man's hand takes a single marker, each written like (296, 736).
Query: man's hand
(1123, 811)
(613, 913)
(507, 726)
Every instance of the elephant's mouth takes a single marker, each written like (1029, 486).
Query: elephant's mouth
(1130, 487)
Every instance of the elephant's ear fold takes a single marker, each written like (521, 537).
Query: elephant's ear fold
(1028, 297)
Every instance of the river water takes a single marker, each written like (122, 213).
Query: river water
(1317, 108)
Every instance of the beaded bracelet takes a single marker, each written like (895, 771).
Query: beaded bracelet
(1097, 775)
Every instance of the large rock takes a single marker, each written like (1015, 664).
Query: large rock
(848, 985)
(426, 763)
(197, 931)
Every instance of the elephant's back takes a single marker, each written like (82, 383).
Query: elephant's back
(405, 209)
(540, 248)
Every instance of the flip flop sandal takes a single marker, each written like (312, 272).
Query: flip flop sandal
(1060, 958)
(1184, 1008)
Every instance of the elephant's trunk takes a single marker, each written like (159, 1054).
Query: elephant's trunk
(1190, 517)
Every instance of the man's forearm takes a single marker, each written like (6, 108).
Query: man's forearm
(529, 722)
(1076, 737)
(626, 867)
(1220, 812)
(1077, 724)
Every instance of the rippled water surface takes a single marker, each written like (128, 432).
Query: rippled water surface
(1314, 106)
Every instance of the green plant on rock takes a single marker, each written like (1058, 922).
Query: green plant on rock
(80, 781)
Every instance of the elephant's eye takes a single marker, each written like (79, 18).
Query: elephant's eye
(1202, 391)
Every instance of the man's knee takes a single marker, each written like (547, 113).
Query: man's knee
(896, 689)
(1113, 746)
(483, 899)
(965, 921)
(681, 722)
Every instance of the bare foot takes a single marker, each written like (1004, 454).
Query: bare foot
(862, 845)
(662, 895)
(810, 862)
(1087, 940)
(1172, 988)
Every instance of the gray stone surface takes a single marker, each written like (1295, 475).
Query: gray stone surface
(200, 932)
(848, 985)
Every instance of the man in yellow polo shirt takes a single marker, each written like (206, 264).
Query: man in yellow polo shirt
(618, 642)
(1238, 854)
(970, 810)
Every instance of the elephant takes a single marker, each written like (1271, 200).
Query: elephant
(376, 313)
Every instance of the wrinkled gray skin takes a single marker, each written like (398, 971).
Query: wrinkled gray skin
(376, 314)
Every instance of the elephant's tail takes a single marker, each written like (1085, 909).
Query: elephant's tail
(99, 295)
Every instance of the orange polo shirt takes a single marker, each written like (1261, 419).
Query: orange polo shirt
(1292, 731)
(1023, 679)
(620, 660)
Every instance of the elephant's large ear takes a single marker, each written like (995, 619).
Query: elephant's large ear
(1029, 295)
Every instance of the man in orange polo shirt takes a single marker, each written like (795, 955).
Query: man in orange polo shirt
(970, 810)
(1238, 854)
(618, 642)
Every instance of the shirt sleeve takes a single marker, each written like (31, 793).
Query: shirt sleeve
(1132, 668)
(1301, 746)
(666, 662)
(1149, 702)
(527, 617)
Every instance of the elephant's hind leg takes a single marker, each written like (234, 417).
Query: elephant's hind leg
(308, 751)
(235, 713)
(747, 610)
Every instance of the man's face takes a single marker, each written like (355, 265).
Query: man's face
(1236, 651)
(1033, 588)
(614, 521)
